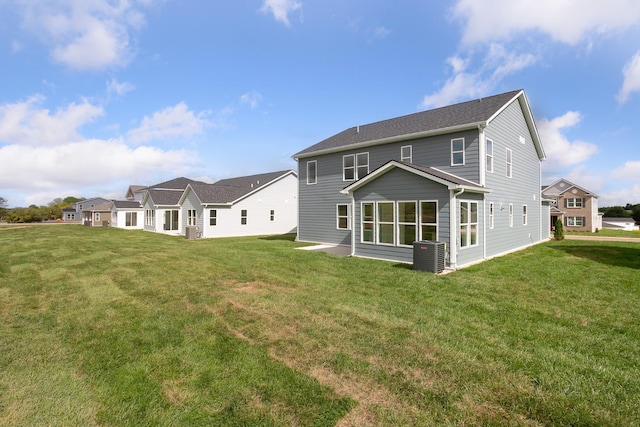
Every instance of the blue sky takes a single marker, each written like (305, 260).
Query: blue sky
(97, 95)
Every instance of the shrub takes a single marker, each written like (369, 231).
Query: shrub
(558, 234)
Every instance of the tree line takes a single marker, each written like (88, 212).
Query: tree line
(50, 212)
(628, 211)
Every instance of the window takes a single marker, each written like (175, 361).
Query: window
(491, 215)
(524, 214)
(510, 215)
(243, 217)
(368, 222)
(355, 166)
(468, 224)
(149, 217)
(191, 217)
(457, 151)
(312, 171)
(574, 203)
(407, 217)
(131, 219)
(509, 163)
(171, 220)
(97, 216)
(406, 154)
(489, 154)
(213, 217)
(575, 221)
(342, 215)
(386, 217)
(272, 215)
(429, 221)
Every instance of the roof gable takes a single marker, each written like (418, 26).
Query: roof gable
(232, 190)
(562, 186)
(465, 115)
(452, 182)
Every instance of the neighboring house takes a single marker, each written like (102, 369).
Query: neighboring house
(161, 204)
(626, 224)
(467, 175)
(576, 207)
(75, 213)
(97, 215)
(135, 192)
(260, 204)
(127, 214)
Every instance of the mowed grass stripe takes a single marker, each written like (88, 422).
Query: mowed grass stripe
(158, 330)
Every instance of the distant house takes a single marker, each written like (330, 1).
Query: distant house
(75, 212)
(127, 214)
(161, 204)
(97, 214)
(466, 174)
(575, 206)
(626, 224)
(135, 192)
(260, 204)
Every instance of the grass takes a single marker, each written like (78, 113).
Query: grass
(100, 326)
(605, 232)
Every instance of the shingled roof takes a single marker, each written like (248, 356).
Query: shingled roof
(126, 204)
(470, 113)
(229, 190)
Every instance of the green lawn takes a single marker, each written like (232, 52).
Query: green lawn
(100, 326)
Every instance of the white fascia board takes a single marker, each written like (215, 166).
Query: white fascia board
(389, 140)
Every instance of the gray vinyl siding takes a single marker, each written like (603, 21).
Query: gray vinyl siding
(399, 185)
(191, 201)
(522, 189)
(317, 202)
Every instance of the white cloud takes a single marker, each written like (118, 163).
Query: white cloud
(382, 32)
(561, 152)
(177, 121)
(115, 87)
(89, 34)
(568, 21)
(496, 64)
(27, 122)
(620, 196)
(252, 99)
(54, 168)
(631, 82)
(280, 9)
(629, 171)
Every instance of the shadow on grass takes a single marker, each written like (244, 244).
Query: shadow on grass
(291, 237)
(619, 256)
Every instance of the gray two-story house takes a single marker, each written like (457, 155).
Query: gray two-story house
(468, 175)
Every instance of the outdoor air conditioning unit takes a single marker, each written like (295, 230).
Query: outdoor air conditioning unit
(429, 256)
(190, 232)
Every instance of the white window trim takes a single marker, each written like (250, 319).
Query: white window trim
(398, 223)
(192, 217)
(338, 216)
(470, 223)
(372, 222)
(409, 158)
(509, 160)
(489, 155)
(356, 166)
(491, 215)
(214, 217)
(393, 223)
(571, 202)
(524, 214)
(244, 214)
(420, 223)
(572, 221)
(272, 215)
(315, 180)
(458, 151)
(510, 214)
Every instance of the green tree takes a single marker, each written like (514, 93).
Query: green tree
(3, 208)
(615, 212)
(558, 233)
(635, 213)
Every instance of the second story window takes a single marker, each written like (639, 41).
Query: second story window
(574, 203)
(457, 151)
(355, 166)
(509, 163)
(312, 171)
(489, 154)
(406, 154)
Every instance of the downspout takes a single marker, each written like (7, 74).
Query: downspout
(353, 224)
(482, 153)
(453, 241)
